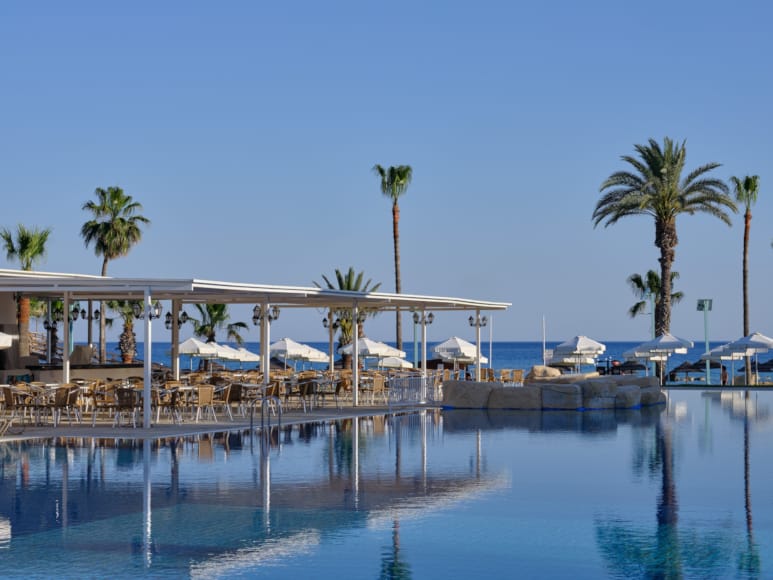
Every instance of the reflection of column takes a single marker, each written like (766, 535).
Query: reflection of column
(478, 453)
(356, 457)
(147, 537)
(330, 451)
(265, 477)
(423, 419)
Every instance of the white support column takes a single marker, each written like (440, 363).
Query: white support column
(331, 337)
(477, 345)
(148, 365)
(355, 355)
(176, 307)
(66, 338)
(423, 357)
(265, 356)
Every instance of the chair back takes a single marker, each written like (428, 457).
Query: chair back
(125, 398)
(10, 401)
(206, 394)
(235, 393)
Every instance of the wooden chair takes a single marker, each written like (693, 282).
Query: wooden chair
(205, 401)
(220, 399)
(378, 389)
(517, 377)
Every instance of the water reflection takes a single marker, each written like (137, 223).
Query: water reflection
(190, 503)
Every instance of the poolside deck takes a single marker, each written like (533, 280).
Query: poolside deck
(104, 428)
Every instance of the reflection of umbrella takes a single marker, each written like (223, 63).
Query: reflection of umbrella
(393, 362)
(372, 348)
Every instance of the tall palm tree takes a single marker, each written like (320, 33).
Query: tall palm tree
(746, 191)
(649, 285)
(214, 317)
(27, 247)
(394, 183)
(352, 282)
(114, 228)
(657, 189)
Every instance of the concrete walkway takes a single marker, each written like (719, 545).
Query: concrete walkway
(104, 429)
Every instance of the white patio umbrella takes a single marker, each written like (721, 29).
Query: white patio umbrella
(721, 354)
(752, 344)
(195, 347)
(580, 345)
(458, 350)
(226, 352)
(6, 340)
(664, 346)
(372, 348)
(394, 362)
(288, 349)
(578, 350)
(247, 356)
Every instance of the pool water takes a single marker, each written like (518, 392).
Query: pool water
(677, 490)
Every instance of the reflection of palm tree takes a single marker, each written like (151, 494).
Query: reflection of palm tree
(749, 561)
(631, 551)
(392, 567)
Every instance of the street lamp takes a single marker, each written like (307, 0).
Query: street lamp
(140, 310)
(332, 325)
(270, 314)
(478, 322)
(181, 319)
(704, 305)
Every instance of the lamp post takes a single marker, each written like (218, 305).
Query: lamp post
(704, 305)
(424, 319)
(332, 325)
(478, 322)
(182, 318)
(264, 315)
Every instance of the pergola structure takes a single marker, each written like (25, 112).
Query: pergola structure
(74, 287)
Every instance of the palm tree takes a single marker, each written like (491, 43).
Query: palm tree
(28, 247)
(114, 228)
(394, 183)
(127, 342)
(648, 286)
(658, 189)
(746, 191)
(352, 282)
(214, 317)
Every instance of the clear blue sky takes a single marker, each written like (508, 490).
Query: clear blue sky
(248, 131)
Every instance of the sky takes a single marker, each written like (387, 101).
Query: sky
(248, 132)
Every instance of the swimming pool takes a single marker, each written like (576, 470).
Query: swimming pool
(681, 490)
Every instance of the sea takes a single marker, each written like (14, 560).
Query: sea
(501, 355)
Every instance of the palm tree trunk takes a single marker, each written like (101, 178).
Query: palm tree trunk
(398, 289)
(24, 326)
(746, 331)
(665, 240)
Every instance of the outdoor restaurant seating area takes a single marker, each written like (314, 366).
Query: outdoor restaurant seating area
(201, 396)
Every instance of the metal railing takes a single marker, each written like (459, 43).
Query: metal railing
(412, 389)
